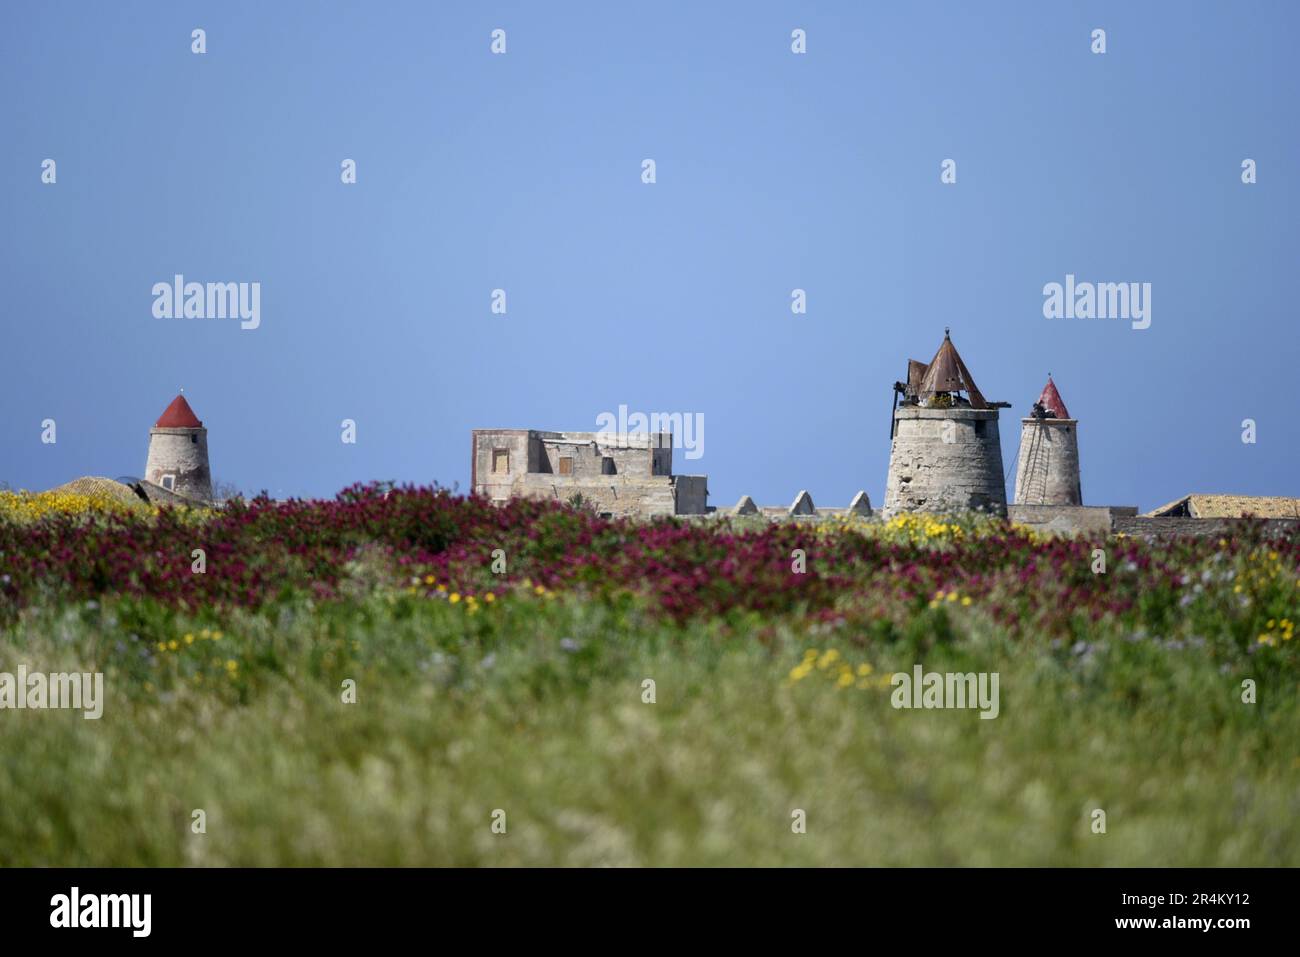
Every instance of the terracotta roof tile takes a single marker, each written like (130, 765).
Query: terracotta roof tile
(1232, 506)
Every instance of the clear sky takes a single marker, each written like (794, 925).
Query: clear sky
(523, 172)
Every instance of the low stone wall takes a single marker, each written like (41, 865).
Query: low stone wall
(622, 496)
(1141, 526)
(1090, 520)
(803, 506)
(157, 495)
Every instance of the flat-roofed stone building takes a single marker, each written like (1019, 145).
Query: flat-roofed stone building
(621, 475)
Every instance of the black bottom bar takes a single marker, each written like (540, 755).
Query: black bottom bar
(333, 907)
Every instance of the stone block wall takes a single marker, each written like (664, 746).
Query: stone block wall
(615, 495)
(945, 460)
(620, 475)
(589, 454)
(521, 455)
(1094, 521)
(1141, 525)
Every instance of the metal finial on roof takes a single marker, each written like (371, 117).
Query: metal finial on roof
(946, 330)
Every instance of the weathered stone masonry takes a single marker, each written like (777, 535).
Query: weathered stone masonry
(945, 460)
(178, 453)
(618, 474)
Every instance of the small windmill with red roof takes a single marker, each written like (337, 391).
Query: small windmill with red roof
(1050, 405)
(178, 453)
(1047, 472)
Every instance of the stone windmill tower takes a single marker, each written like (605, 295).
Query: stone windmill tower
(178, 453)
(946, 454)
(1048, 470)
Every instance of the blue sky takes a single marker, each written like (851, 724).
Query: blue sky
(522, 171)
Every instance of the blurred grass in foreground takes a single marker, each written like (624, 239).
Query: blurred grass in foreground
(533, 705)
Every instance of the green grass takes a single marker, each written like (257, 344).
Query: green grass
(458, 715)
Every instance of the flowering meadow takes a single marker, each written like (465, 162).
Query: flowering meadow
(638, 693)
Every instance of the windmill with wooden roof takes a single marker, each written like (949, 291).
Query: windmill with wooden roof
(943, 382)
(945, 453)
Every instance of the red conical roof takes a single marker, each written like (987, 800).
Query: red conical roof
(178, 415)
(1051, 400)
